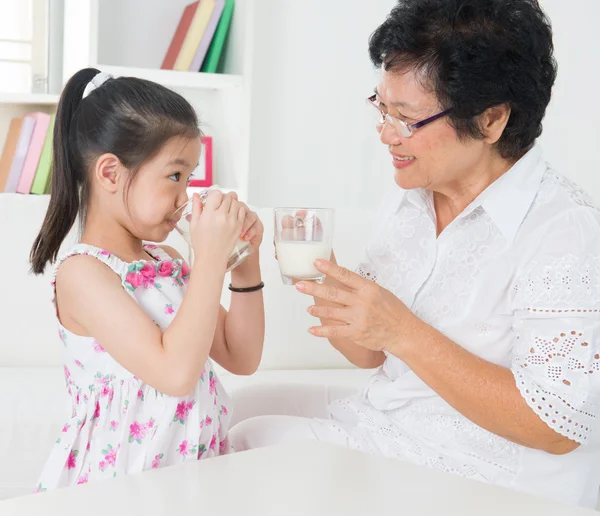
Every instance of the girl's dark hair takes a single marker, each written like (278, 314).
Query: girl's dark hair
(128, 117)
(475, 54)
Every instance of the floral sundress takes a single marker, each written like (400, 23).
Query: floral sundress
(118, 424)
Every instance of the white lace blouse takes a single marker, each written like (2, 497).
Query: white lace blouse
(515, 279)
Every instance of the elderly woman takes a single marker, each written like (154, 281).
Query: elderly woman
(479, 296)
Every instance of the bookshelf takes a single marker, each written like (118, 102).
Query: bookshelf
(130, 39)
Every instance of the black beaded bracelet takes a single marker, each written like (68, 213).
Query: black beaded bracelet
(245, 290)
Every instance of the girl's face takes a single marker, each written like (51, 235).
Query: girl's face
(159, 188)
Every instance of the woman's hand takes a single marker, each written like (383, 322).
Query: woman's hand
(371, 316)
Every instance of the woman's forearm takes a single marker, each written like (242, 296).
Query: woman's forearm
(483, 392)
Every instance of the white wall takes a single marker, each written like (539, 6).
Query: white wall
(312, 142)
(571, 138)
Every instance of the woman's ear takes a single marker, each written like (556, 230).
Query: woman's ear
(493, 122)
(108, 171)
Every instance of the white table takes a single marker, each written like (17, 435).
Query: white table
(307, 478)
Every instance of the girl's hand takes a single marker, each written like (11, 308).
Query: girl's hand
(253, 229)
(215, 227)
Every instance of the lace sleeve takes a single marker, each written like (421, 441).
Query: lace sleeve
(556, 356)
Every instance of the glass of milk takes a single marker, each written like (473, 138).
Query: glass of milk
(302, 235)
(183, 215)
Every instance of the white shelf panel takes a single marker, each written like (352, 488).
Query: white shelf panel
(29, 99)
(176, 79)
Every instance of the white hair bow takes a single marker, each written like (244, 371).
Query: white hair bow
(98, 80)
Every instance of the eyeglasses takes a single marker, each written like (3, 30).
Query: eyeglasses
(399, 125)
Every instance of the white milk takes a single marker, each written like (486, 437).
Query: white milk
(296, 258)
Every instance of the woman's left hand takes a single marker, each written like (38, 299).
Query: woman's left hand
(370, 315)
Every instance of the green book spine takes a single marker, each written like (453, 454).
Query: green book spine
(211, 62)
(41, 180)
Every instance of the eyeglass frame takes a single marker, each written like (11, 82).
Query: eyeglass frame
(408, 129)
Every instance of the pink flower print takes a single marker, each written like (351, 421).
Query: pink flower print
(104, 253)
(213, 383)
(66, 428)
(102, 465)
(72, 460)
(185, 270)
(83, 479)
(106, 391)
(114, 425)
(156, 461)
(67, 373)
(137, 431)
(224, 410)
(201, 451)
(62, 335)
(96, 411)
(110, 455)
(98, 347)
(39, 488)
(165, 269)
(169, 309)
(182, 411)
(79, 364)
(222, 445)
(89, 445)
(151, 246)
(140, 394)
(134, 280)
(213, 443)
(208, 420)
(202, 375)
(185, 449)
(148, 272)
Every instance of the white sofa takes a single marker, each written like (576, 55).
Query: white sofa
(33, 403)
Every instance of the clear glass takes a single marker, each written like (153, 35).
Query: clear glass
(242, 248)
(302, 235)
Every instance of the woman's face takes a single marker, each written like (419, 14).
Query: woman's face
(433, 157)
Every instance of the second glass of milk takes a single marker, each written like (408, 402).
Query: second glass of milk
(302, 235)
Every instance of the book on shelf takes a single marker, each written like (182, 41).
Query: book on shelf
(213, 57)
(41, 181)
(208, 36)
(32, 158)
(177, 41)
(194, 35)
(9, 150)
(25, 163)
(16, 167)
(199, 39)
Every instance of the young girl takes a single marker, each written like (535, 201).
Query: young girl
(139, 327)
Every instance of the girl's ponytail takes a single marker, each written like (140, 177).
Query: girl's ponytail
(68, 184)
(128, 117)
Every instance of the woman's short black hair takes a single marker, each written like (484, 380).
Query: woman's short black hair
(475, 54)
